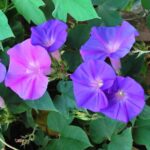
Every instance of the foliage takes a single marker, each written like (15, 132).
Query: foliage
(83, 10)
(54, 122)
(30, 10)
(5, 29)
(146, 5)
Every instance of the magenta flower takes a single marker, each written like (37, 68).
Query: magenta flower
(112, 42)
(89, 80)
(27, 71)
(50, 35)
(2, 72)
(126, 99)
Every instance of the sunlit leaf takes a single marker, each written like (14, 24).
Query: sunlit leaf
(30, 10)
(5, 30)
(71, 137)
(80, 10)
(44, 103)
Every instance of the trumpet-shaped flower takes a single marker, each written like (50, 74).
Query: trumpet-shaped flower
(27, 71)
(89, 80)
(125, 99)
(50, 35)
(113, 42)
(2, 72)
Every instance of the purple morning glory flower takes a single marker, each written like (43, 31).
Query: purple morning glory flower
(50, 35)
(126, 99)
(27, 71)
(89, 81)
(2, 72)
(113, 42)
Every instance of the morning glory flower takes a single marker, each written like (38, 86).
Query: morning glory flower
(89, 81)
(2, 72)
(50, 35)
(27, 71)
(125, 99)
(113, 42)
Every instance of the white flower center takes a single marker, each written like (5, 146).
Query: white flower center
(120, 95)
(33, 68)
(99, 83)
(49, 42)
(113, 47)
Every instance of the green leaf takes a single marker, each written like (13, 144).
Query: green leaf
(148, 21)
(145, 113)
(29, 122)
(2, 4)
(64, 86)
(49, 7)
(64, 104)
(146, 4)
(44, 103)
(110, 17)
(115, 4)
(97, 2)
(108, 11)
(71, 137)
(41, 138)
(18, 29)
(141, 132)
(18, 106)
(103, 129)
(4, 56)
(73, 59)
(132, 64)
(14, 103)
(80, 10)
(78, 35)
(66, 101)
(5, 30)
(122, 141)
(56, 121)
(30, 10)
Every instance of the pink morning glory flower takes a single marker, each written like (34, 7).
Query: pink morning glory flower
(27, 71)
(125, 99)
(50, 35)
(113, 42)
(89, 81)
(2, 72)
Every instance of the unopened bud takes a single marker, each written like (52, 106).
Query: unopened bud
(56, 55)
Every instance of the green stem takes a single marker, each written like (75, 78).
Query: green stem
(10, 8)
(1, 46)
(6, 4)
(11, 147)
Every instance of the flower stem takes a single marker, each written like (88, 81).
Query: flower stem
(11, 147)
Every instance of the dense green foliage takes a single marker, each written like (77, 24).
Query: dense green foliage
(54, 122)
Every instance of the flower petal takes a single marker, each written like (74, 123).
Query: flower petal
(27, 71)
(88, 98)
(129, 104)
(113, 42)
(89, 80)
(50, 35)
(2, 72)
